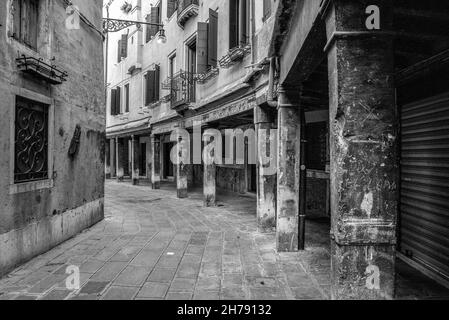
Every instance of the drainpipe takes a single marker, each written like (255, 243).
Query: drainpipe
(270, 94)
(303, 184)
(106, 63)
(253, 31)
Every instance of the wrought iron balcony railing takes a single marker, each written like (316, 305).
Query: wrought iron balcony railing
(186, 10)
(41, 70)
(182, 86)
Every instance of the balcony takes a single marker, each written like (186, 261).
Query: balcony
(182, 88)
(186, 10)
(41, 70)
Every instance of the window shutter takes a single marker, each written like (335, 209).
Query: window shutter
(150, 87)
(113, 102)
(127, 98)
(233, 23)
(266, 9)
(148, 30)
(17, 18)
(201, 47)
(154, 18)
(212, 38)
(171, 7)
(124, 46)
(118, 101)
(157, 76)
(119, 51)
(243, 22)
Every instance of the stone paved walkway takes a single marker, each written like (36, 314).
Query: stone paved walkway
(152, 245)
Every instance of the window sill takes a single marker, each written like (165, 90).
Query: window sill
(31, 186)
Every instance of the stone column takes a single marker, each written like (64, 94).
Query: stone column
(112, 159)
(156, 160)
(107, 162)
(363, 145)
(135, 159)
(120, 157)
(181, 172)
(266, 177)
(209, 184)
(289, 137)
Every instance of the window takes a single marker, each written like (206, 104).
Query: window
(152, 86)
(172, 5)
(127, 98)
(25, 21)
(122, 48)
(172, 65)
(238, 23)
(191, 69)
(154, 17)
(115, 101)
(31, 141)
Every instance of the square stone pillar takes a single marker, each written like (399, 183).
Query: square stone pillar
(107, 155)
(135, 159)
(266, 171)
(182, 166)
(113, 157)
(289, 137)
(363, 145)
(209, 183)
(156, 162)
(120, 157)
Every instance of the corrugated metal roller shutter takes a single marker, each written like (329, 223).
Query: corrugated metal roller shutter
(424, 233)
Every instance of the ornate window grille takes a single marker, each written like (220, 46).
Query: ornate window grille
(31, 141)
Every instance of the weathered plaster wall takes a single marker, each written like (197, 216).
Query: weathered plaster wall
(32, 222)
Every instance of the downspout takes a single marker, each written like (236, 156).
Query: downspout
(106, 61)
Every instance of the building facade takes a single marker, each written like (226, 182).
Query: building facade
(53, 125)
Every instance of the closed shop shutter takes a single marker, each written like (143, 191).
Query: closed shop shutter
(424, 205)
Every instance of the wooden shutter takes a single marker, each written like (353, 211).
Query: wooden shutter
(154, 18)
(171, 7)
(124, 46)
(119, 51)
(243, 22)
(29, 22)
(148, 30)
(212, 39)
(157, 77)
(118, 101)
(127, 98)
(233, 23)
(150, 78)
(16, 19)
(201, 47)
(113, 102)
(266, 9)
